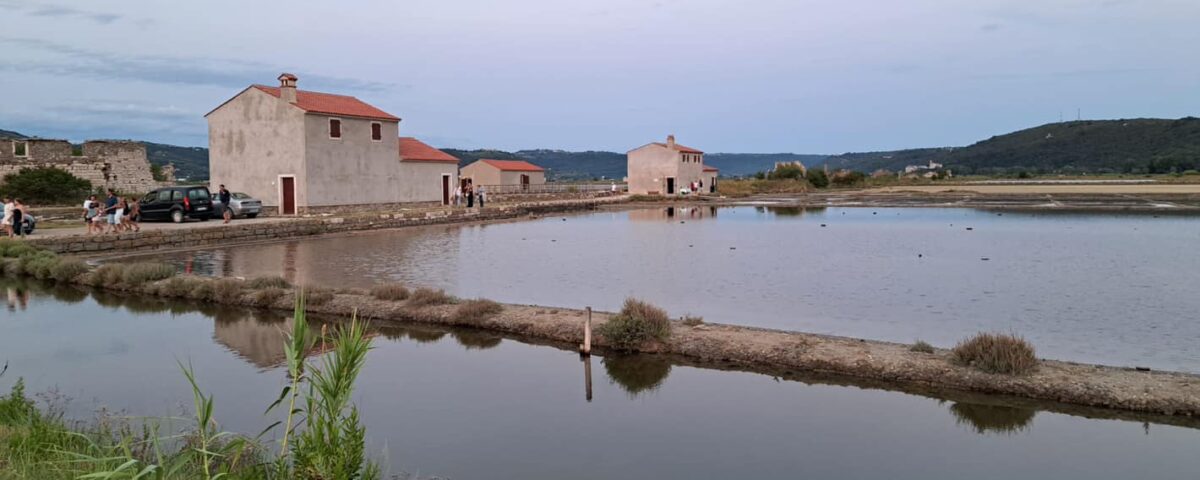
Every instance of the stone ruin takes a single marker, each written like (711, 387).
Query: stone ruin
(120, 165)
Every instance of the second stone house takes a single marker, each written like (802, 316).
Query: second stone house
(504, 172)
(667, 169)
(301, 151)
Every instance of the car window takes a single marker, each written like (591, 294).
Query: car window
(177, 195)
(198, 194)
(164, 196)
(149, 198)
(240, 196)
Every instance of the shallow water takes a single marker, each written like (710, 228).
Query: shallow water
(464, 404)
(1091, 287)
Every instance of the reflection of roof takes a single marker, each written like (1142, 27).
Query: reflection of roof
(332, 104)
(680, 148)
(513, 165)
(711, 169)
(413, 150)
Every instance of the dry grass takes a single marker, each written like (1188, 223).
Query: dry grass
(318, 296)
(108, 274)
(996, 353)
(922, 347)
(474, 312)
(267, 297)
(180, 286)
(268, 282)
(692, 320)
(390, 291)
(424, 297)
(636, 323)
(225, 289)
(140, 273)
(745, 188)
(67, 269)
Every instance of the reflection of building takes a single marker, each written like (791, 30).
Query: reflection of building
(260, 343)
(673, 213)
(667, 169)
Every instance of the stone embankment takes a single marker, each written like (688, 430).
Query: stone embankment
(212, 233)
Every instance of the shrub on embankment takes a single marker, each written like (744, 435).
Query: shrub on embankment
(996, 353)
(425, 297)
(637, 323)
(390, 291)
(474, 312)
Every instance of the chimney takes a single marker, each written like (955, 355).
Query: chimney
(287, 87)
(671, 141)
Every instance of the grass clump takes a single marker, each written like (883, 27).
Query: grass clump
(474, 312)
(267, 296)
(318, 296)
(67, 269)
(390, 291)
(180, 287)
(636, 323)
(921, 346)
(140, 273)
(692, 320)
(226, 290)
(268, 282)
(107, 275)
(424, 297)
(996, 353)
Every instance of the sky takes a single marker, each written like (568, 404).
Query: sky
(756, 76)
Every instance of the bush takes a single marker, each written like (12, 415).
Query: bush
(226, 290)
(474, 312)
(390, 291)
(267, 296)
(45, 185)
(692, 320)
(202, 290)
(180, 287)
(922, 347)
(38, 264)
(636, 323)
(423, 297)
(109, 274)
(15, 249)
(996, 353)
(789, 171)
(848, 178)
(318, 296)
(140, 273)
(817, 178)
(268, 282)
(67, 269)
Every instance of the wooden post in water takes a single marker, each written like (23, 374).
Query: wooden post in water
(586, 348)
(587, 376)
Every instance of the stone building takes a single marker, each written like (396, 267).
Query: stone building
(300, 150)
(504, 172)
(120, 165)
(666, 168)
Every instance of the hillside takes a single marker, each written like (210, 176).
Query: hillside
(747, 164)
(1095, 146)
(11, 134)
(191, 163)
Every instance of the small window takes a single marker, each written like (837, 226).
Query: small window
(335, 128)
(149, 198)
(198, 194)
(20, 149)
(165, 196)
(177, 195)
(376, 131)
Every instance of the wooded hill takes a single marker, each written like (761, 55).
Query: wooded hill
(1144, 145)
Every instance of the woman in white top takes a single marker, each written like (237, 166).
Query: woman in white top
(7, 220)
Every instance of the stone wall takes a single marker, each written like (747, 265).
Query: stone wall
(121, 165)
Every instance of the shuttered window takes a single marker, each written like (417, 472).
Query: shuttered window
(376, 131)
(335, 128)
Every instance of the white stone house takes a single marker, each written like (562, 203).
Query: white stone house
(504, 172)
(666, 168)
(299, 150)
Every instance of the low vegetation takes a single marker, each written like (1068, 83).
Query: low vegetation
(692, 320)
(45, 186)
(322, 437)
(922, 347)
(637, 323)
(139, 273)
(996, 353)
(274, 281)
(425, 297)
(318, 296)
(266, 297)
(390, 291)
(225, 289)
(747, 187)
(474, 312)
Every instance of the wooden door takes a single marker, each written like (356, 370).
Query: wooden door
(445, 189)
(524, 182)
(670, 185)
(287, 204)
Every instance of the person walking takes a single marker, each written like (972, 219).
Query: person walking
(18, 217)
(90, 215)
(110, 211)
(225, 197)
(482, 195)
(470, 193)
(7, 213)
(458, 196)
(132, 209)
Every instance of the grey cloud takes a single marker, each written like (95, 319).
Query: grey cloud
(59, 11)
(173, 70)
(990, 27)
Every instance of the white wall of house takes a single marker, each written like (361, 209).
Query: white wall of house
(353, 169)
(253, 139)
(651, 165)
(514, 177)
(426, 180)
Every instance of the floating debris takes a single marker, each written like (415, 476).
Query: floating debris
(970, 228)
(984, 258)
(733, 248)
(822, 224)
(920, 256)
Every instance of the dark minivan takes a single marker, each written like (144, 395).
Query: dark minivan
(177, 203)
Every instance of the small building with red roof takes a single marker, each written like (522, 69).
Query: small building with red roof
(503, 172)
(668, 168)
(300, 150)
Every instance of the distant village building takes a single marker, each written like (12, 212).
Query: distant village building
(917, 168)
(791, 164)
(504, 172)
(119, 165)
(667, 168)
(300, 150)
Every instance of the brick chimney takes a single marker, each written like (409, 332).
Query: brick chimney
(671, 141)
(287, 87)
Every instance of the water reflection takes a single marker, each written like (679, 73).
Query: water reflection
(998, 419)
(789, 211)
(476, 339)
(673, 213)
(637, 374)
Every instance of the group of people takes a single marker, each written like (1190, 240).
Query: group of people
(696, 186)
(13, 213)
(468, 192)
(116, 214)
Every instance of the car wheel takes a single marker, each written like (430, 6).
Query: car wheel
(251, 215)
(177, 216)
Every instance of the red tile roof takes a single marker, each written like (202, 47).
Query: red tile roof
(413, 150)
(711, 169)
(513, 165)
(331, 104)
(681, 148)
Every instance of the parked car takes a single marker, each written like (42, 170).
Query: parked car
(243, 205)
(177, 203)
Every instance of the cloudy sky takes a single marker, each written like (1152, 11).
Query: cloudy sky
(806, 76)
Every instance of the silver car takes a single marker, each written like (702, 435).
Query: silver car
(243, 205)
